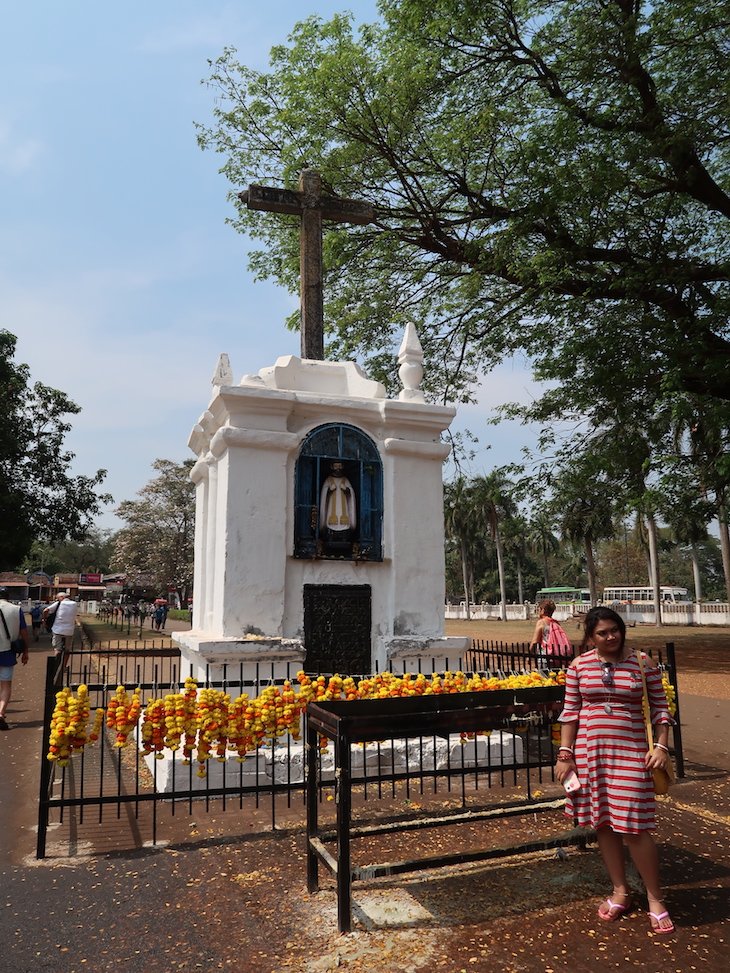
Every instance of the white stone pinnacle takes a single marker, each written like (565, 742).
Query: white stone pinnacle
(410, 359)
(223, 374)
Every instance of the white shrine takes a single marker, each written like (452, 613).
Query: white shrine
(283, 575)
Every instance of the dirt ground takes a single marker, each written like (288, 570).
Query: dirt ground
(228, 894)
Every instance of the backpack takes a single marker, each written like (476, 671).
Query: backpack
(558, 642)
(51, 618)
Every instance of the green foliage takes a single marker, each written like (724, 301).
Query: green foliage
(39, 497)
(179, 614)
(545, 174)
(92, 554)
(677, 568)
(486, 539)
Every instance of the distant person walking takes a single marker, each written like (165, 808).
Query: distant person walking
(64, 624)
(158, 618)
(36, 617)
(12, 627)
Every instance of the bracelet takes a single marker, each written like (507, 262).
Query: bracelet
(660, 746)
(568, 749)
(562, 759)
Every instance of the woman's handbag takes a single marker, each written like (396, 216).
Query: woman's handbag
(663, 776)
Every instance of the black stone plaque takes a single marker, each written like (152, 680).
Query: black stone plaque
(337, 620)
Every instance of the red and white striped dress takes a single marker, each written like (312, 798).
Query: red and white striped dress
(617, 790)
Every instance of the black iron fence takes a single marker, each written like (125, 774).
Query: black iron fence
(103, 780)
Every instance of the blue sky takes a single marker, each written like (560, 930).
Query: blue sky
(118, 272)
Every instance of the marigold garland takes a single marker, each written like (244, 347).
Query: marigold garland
(671, 693)
(212, 720)
(153, 728)
(123, 714)
(68, 724)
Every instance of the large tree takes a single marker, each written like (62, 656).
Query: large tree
(157, 542)
(547, 176)
(40, 499)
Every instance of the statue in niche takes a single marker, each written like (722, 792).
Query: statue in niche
(337, 509)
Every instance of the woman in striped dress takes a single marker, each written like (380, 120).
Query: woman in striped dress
(603, 740)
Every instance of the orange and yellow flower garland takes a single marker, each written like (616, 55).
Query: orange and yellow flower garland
(123, 714)
(207, 721)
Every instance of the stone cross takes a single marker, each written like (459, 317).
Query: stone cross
(312, 207)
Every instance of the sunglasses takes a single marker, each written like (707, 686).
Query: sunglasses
(607, 673)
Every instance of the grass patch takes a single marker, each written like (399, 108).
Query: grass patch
(97, 631)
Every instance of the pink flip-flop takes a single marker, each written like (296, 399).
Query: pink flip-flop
(657, 918)
(615, 910)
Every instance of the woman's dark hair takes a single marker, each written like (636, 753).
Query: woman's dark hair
(601, 614)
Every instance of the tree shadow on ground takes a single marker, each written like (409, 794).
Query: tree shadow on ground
(487, 893)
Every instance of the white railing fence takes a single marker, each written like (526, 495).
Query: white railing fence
(689, 613)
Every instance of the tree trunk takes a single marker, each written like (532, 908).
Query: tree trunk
(465, 576)
(520, 591)
(696, 573)
(591, 568)
(500, 571)
(654, 563)
(724, 542)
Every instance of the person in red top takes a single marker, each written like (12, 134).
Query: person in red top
(603, 741)
(550, 641)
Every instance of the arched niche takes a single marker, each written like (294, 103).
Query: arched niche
(362, 467)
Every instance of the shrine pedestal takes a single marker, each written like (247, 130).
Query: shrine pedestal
(423, 654)
(202, 655)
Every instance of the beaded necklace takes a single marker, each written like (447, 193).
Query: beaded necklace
(607, 671)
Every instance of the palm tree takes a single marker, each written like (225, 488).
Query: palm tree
(542, 540)
(700, 439)
(515, 535)
(457, 522)
(688, 516)
(584, 504)
(492, 504)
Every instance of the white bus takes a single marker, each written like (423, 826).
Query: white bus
(630, 593)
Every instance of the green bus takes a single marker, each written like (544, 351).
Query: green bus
(565, 595)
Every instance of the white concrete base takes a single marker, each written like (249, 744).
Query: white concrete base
(171, 774)
(285, 764)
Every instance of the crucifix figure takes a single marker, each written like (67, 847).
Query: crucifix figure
(312, 207)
